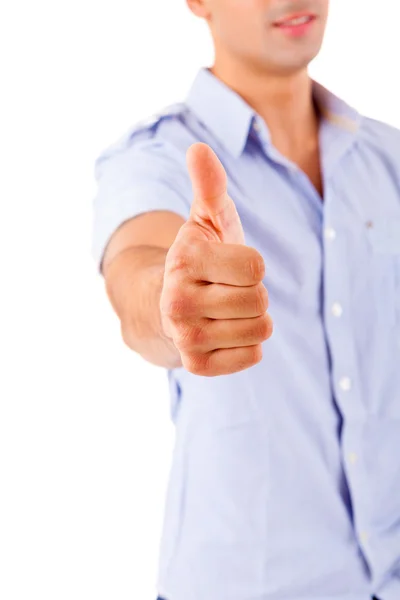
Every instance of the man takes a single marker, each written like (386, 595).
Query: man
(262, 191)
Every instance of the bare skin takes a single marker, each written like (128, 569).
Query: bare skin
(269, 69)
(213, 302)
(190, 293)
(201, 304)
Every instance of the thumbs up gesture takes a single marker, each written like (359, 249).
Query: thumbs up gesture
(213, 302)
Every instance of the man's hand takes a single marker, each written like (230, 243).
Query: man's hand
(213, 302)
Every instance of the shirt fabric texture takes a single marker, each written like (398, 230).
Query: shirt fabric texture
(285, 478)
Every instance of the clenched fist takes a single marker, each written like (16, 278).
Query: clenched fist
(213, 302)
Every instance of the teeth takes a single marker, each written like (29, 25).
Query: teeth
(298, 21)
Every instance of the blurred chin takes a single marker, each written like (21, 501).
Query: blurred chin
(293, 53)
(293, 59)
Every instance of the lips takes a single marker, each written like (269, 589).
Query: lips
(295, 20)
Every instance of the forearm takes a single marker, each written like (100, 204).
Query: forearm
(134, 282)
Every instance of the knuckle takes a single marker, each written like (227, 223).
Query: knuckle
(198, 335)
(176, 303)
(198, 364)
(189, 337)
(182, 337)
(177, 261)
(188, 257)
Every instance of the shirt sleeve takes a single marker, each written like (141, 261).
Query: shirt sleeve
(133, 177)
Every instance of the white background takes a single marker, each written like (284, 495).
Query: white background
(85, 435)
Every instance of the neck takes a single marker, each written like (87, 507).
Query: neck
(285, 103)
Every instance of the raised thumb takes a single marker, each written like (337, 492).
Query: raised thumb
(212, 208)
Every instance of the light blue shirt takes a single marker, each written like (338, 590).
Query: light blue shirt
(285, 480)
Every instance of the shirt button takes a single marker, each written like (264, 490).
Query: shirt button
(364, 537)
(345, 384)
(353, 458)
(330, 233)
(337, 309)
(256, 126)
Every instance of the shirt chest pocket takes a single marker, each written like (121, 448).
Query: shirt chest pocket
(384, 235)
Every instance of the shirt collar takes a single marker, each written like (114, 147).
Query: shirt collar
(228, 116)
